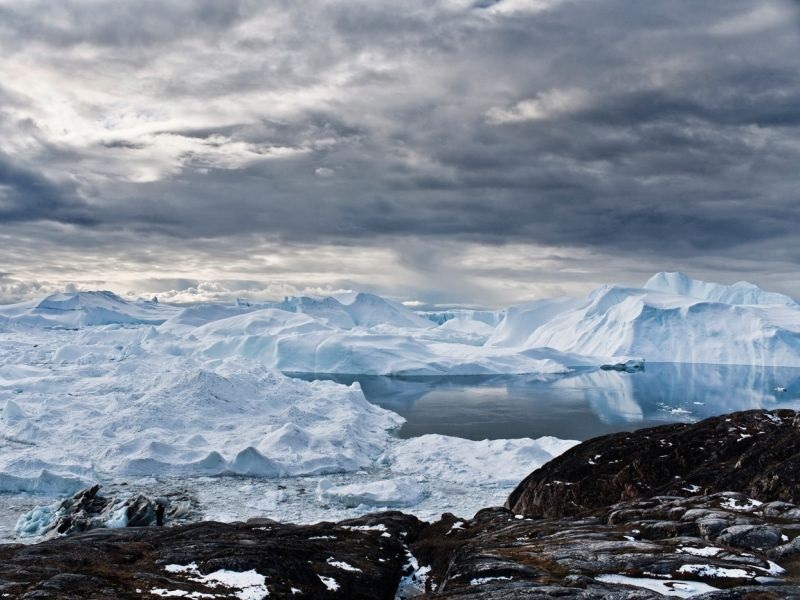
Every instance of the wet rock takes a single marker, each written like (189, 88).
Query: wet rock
(756, 452)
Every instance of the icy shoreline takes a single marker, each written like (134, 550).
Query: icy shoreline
(426, 476)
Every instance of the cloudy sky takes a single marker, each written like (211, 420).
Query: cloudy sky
(441, 151)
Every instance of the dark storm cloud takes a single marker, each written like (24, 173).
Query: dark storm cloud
(27, 196)
(665, 129)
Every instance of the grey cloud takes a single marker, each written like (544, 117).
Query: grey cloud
(682, 143)
(27, 196)
(114, 24)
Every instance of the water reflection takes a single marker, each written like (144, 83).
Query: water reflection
(579, 405)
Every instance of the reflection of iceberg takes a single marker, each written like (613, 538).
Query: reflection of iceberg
(580, 404)
(675, 391)
(610, 394)
(720, 388)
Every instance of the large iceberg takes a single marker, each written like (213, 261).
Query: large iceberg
(681, 320)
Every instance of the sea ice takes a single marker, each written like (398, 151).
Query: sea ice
(389, 493)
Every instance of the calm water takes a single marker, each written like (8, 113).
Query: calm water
(580, 405)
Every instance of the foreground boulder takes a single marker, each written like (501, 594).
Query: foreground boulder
(755, 452)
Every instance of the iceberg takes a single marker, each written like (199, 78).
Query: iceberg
(73, 310)
(665, 321)
(389, 493)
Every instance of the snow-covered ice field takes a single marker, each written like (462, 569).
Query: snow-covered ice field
(142, 396)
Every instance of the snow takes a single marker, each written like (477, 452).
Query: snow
(329, 582)
(667, 587)
(414, 580)
(706, 551)
(485, 580)
(247, 585)
(716, 572)
(164, 593)
(379, 527)
(340, 564)
(748, 505)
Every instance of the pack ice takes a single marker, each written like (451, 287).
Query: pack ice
(97, 388)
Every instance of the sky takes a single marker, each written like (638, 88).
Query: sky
(439, 152)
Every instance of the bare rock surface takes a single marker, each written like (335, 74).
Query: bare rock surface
(755, 452)
(661, 543)
(361, 558)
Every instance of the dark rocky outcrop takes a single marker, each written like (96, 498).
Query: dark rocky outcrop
(723, 541)
(362, 558)
(756, 452)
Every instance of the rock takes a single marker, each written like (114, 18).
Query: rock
(362, 558)
(756, 452)
(89, 509)
(498, 555)
(786, 551)
(759, 537)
